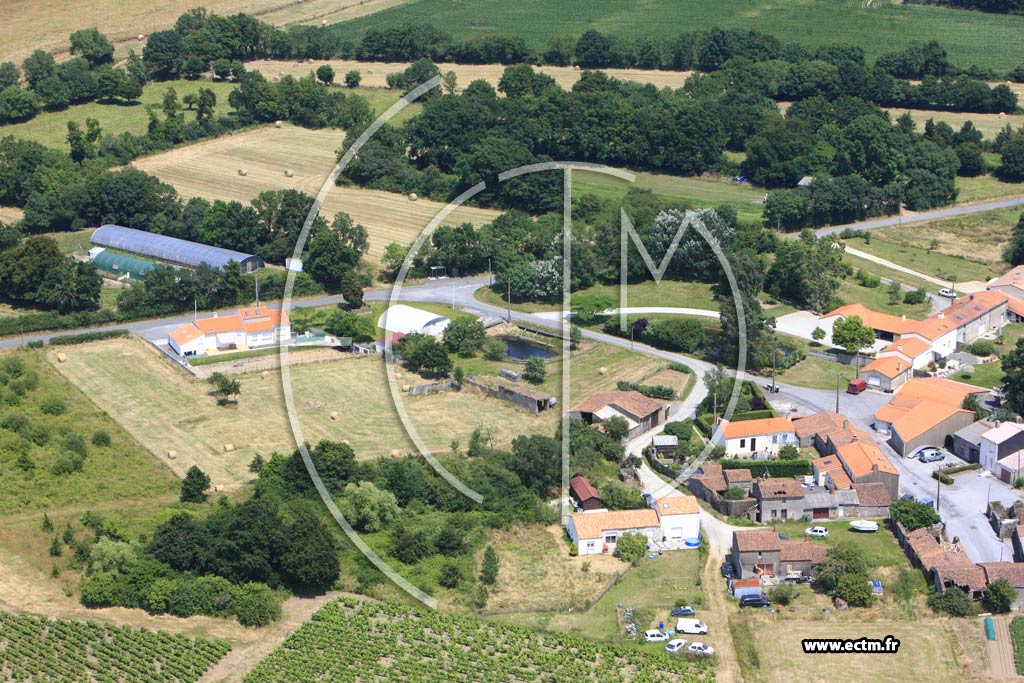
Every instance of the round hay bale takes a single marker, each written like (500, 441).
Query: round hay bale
(323, 22)
(219, 488)
(413, 196)
(61, 358)
(278, 124)
(266, 374)
(395, 453)
(228, 448)
(405, 388)
(345, 441)
(171, 455)
(602, 371)
(142, 37)
(242, 172)
(1002, 114)
(334, 415)
(288, 173)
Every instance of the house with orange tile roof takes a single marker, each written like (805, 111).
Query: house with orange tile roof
(887, 373)
(829, 473)
(679, 517)
(640, 412)
(1012, 285)
(826, 431)
(756, 553)
(248, 328)
(864, 462)
(885, 325)
(924, 412)
(751, 438)
(599, 531)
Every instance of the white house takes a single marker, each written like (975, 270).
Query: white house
(598, 531)
(679, 517)
(757, 437)
(249, 328)
(402, 319)
(1000, 442)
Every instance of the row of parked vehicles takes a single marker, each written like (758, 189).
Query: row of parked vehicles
(687, 623)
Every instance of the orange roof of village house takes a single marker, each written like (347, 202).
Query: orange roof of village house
(861, 458)
(911, 347)
(677, 505)
(767, 425)
(594, 524)
(252, 319)
(1016, 306)
(923, 417)
(886, 322)
(831, 466)
(260, 318)
(973, 306)
(185, 333)
(757, 539)
(1011, 278)
(934, 389)
(631, 401)
(890, 366)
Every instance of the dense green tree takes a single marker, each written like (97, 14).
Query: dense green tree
(93, 46)
(1013, 377)
(912, 514)
(631, 548)
(855, 590)
(328, 258)
(1014, 253)
(534, 371)
(9, 75)
(953, 602)
(163, 54)
(353, 78)
(310, 560)
(1000, 597)
(194, 486)
(852, 335)
(842, 559)
(367, 508)
(17, 105)
(1012, 167)
(616, 427)
(325, 74)
(465, 336)
(489, 566)
(348, 324)
(38, 66)
(224, 388)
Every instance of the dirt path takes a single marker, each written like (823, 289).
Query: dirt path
(295, 611)
(895, 266)
(717, 615)
(1000, 651)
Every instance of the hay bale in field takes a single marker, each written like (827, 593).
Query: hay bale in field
(61, 358)
(1002, 114)
(228, 448)
(288, 173)
(602, 371)
(405, 388)
(395, 453)
(242, 172)
(345, 441)
(334, 415)
(322, 23)
(142, 37)
(171, 455)
(413, 196)
(266, 374)
(219, 488)
(278, 124)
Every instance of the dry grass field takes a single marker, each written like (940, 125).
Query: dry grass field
(977, 237)
(165, 411)
(210, 169)
(9, 214)
(375, 73)
(988, 124)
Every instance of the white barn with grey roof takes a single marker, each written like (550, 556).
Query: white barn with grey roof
(171, 249)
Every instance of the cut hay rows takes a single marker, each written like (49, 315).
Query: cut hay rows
(374, 74)
(210, 170)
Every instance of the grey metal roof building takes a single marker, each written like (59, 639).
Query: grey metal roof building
(171, 249)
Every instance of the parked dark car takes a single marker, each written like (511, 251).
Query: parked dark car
(728, 571)
(755, 601)
(685, 611)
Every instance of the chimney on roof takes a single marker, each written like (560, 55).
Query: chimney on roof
(904, 316)
(971, 297)
(941, 315)
(846, 424)
(899, 366)
(874, 467)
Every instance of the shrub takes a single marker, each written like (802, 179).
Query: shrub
(982, 348)
(450, 576)
(1017, 639)
(679, 367)
(775, 468)
(1000, 596)
(100, 438)
(534, 371)
(917, 296)
(682, 430)
(631, 548)
(912, 514)
(783, 593)
(53, 405)
(953, 602)
(734, 493)
(74, 443)
(866, 279)
(69, 339)
(68, 463)
(254, 604)
(855, 589)
(493, 349)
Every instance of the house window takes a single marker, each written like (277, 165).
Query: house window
(611, 538)
(590, 545)
(743, 443)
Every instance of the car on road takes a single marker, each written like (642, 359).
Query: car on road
(685, 611)
(864, 525)
(675, 645)
(907, 496)
(947, 293)
(728, 571)
(926, 501)
(933, 456)
(691, 626)
(655, 636)
(701, 650)
(754, 601)
(817, 532)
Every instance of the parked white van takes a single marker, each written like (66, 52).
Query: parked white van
(691, 626)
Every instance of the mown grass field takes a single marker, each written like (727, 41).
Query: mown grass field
(700, 192)
(210, 169)
(877, 299)
(649, 293)
(988, 375)
(921, 257)
(988, 124)
(979, 237)
(817, 373)
(970, 38)
(51, 128)
(120, 470)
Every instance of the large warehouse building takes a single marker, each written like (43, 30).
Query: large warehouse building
(171, 249)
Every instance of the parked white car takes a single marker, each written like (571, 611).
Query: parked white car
(675, 645)
(691, 626)
(701, 649)
(948, 293)
(817, 532)
(655, 636)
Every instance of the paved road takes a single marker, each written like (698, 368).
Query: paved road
(949, 212)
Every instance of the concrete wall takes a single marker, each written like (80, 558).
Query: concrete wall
(936, 436)
(890, 481)
(780, 509)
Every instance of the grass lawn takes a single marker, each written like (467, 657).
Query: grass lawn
(988, 124)
(888, 273)
(650, 293)
(1011, 333)
(817, 373)
(924, 259)
(877, 299)
(980, 237)
(986, 375)
(969, 37)
(51, 128)
(698, 192)
(986, 186)
(880, 547)
(28, 454)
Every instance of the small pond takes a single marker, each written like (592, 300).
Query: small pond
(521, 349)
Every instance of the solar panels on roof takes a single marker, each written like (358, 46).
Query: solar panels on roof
(171, 249)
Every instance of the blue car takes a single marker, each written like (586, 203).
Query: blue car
(926, 501)
(686, 611)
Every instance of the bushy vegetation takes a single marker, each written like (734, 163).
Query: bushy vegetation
(1017, 640)
(355, 639)
(953, 602)
(912, 514)
(67, 651)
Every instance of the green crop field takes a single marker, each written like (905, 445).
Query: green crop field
(350, 640)
(38, 649)
(700, 192)
(969, 37)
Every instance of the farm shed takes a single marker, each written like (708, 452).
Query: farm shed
(122, 264)
(742, 588)
(404, 319)
(171, 249)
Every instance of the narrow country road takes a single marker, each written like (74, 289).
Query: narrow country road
(936, 214)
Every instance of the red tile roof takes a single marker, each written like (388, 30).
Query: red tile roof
(779, 488)
(889, 366)
(1011, 571)
(754, 540)
(631, 401)
(582, 490)
(767, 425)
(872, 494)
(803, 551)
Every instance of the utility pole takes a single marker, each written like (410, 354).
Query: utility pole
(508, 300)
(774, 353)
(257, 289)
(453, 295)
(838, 380)
(490, 277)
(631, 330)
(938, 496)
(195, 308)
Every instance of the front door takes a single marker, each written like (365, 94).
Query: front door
(753, 445)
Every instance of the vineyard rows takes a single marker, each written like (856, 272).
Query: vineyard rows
(40, 650)
(349, 641)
